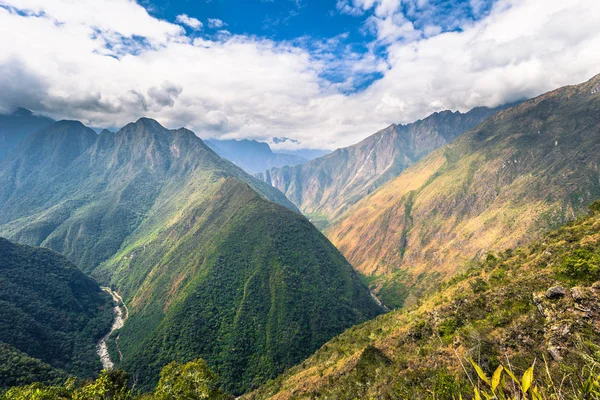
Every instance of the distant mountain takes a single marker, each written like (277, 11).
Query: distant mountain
(207, 262)
(537, 305)
(15, 127)
(51, 317)
(326, 186)
(308, 154)
(504, 183)
(252, 156)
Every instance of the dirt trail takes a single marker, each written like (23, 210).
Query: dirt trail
(119, 321)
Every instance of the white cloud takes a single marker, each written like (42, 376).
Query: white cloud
(191, 22)
(216, 23)
(108, 63)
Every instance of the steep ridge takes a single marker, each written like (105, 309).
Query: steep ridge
(81, 194)
(207, 265)
(522, 171)
(17, 126)
(252, 156)
(325, 187)
(50, 312)
(536, 303)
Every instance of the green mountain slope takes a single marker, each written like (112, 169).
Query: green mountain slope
(17, 126)
(522, 171)
(207, 264)
(325, 187)
(539, 302)
(251, 287)
(49, 311)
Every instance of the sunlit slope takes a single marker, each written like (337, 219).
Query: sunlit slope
(325, 187)
(519, 173)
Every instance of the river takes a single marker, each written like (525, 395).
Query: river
(118, 322)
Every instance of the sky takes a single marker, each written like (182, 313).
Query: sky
(293, 73)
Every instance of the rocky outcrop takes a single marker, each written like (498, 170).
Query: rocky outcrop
(566, 312)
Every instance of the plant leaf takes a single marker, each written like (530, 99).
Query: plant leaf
(480, 372)
(496, 377)
(527, 379)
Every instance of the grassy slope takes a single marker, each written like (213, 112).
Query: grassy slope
(229, 279)
(325, 187)
(495, 313)
(50, 311)
(522, 171)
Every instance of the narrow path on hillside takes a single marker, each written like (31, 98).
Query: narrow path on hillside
(379, 302)
(119, 321)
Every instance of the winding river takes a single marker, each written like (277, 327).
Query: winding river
(121, 314)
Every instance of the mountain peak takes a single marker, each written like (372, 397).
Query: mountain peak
(22, 112)
(149, 123)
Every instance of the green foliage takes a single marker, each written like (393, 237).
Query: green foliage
(193, 380)
(582, 264)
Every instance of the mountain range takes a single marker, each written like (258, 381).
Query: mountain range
(480, 230)
(325, 187)
(522, 171)
(210, 261)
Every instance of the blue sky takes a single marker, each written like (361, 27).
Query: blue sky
(324, 73)
(307, 22)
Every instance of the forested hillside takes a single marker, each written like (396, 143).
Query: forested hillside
(51, 317)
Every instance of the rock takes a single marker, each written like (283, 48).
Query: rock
(556, 292)
(555, 353)
(578, 294)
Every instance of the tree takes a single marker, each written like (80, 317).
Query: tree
(191, 381)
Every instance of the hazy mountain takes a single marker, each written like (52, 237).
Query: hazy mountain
(519, 173)
(15, 127)
(308, 154)
(537, 303)
(326, 186)
(51, 317)
(252, 156)
(206, 263)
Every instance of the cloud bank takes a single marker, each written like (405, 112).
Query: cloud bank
(108, 63)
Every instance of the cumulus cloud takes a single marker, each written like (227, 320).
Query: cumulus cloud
(191, 22)
(108, 63)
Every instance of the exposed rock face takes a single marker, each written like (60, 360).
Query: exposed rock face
(325, 187)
